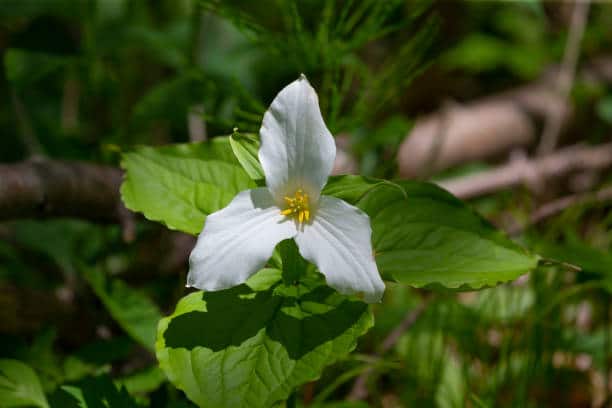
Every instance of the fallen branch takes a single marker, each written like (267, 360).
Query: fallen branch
(555, 207)
(43, 188)
(491, 126)
(533, 173)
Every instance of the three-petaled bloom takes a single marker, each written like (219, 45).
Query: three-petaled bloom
(297, 155)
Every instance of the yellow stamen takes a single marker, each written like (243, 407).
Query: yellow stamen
(298, 207)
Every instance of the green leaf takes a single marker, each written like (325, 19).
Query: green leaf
(250, 346)
(25, 67)
(143, 381)
(132, 310)
(20, 386)
(92, 392)
(246, 148)
(179, 185)
(294, 265)
(422, 235)
(604, 109)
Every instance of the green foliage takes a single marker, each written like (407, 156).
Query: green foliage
(134, 311)
(245, 148)
(92, 392)
(329, 51)
(25, 68)
(143, 381)
(19, 386)
(423, 236)
(251, 345)
(180, 185)
(518, 44)
(85, 79)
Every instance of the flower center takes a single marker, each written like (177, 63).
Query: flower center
(298, 207)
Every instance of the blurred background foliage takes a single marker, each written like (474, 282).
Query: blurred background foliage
(85, 80)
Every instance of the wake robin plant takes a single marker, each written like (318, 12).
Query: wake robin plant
(288, 257)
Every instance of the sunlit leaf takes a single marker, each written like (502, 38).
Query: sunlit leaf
(246, 148)
(422, 235)
(20, 386)
(180, 185)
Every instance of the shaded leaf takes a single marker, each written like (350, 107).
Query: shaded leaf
(92, 392)
(251, 346)
(132, 310)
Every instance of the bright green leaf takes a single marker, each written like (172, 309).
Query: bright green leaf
(180, 185)
(246, 148)
(146, 380)
(20, 386)
(422, 235)
(250, 347)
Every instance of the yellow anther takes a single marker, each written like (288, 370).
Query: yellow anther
(298, 207)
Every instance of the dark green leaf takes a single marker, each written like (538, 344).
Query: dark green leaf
(132, 310)
(92, 392)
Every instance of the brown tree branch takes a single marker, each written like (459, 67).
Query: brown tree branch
(557, 206)
(490, 126)
(43, 188)
(532, 173)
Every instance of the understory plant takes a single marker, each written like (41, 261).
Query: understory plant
(289, 259)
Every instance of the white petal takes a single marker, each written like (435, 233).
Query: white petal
(237, 241)
(297, 150)
(339, 242)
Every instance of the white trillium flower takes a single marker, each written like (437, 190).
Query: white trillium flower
(297, 154)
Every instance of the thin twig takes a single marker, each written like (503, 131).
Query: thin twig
(360, 386)
(557, 206)
(532, 172)
(196, 123)
(566, 75)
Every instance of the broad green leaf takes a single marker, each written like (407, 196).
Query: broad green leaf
(179, 185)
(20, 386)
(92, 392)
(146, 380)
(250, 346)
(132, 310)
(246, 148)
(422, 235)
